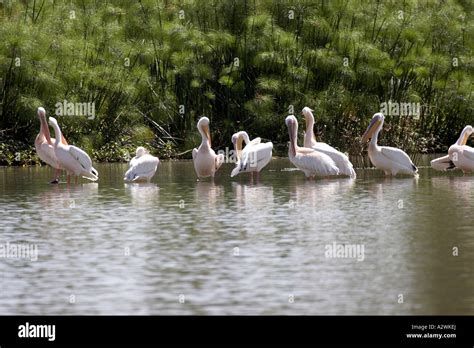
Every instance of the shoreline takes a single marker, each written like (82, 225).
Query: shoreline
(354, 158)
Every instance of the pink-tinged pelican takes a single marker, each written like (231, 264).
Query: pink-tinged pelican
(341, 160)
(462, 155)
(74, 160)
(206, 162)
(311, 162)
(389, 159)
(44, 145)
(254, 157)
(445, 163)
(142, 166)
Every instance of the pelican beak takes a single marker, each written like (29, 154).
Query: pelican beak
(291, 132)
(370, 129)
(208, 134)
(44, 125)
(239, 142)
(465, 138)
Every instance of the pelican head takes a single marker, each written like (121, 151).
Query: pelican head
(239, 137)
(308, 116)
(307, 111)
(292, 124)
(141, 151)
(465, 134)
(203, 128)
(41, 112)
(235, 138)
(42, 117)
(53, 122)
(374, 126)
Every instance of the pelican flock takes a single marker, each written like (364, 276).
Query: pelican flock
(389, 159)
(314, 159)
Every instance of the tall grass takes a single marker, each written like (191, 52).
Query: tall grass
(152, 68)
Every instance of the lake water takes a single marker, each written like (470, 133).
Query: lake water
(179, 246)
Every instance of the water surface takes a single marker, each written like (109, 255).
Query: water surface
(179, 246)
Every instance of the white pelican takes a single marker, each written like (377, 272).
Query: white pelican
(74, 160)
(255, 155)
(142, 166)
(445, 162)
(341, 160)
(206, 162)
(461, 155)
(310, 161)
(389, 159)
(45, 147)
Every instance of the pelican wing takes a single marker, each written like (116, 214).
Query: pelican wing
(468, 152)
(85, 162)
(219, 159)
(81, 156)
(255, 141)
(399, 157)
(321, 146)
(342, 161)
(313, 162)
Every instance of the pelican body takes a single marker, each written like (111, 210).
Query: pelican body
(142, 167)
(311, 162)
(389, 159)
(44, 145)
(206, 162)
(73, 159)
(255, 155)
(342, 161)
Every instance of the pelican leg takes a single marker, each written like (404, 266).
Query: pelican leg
(68, 179)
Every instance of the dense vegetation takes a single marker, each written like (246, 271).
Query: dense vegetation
(153, 67)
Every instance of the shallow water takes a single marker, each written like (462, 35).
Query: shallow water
(178, 246)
